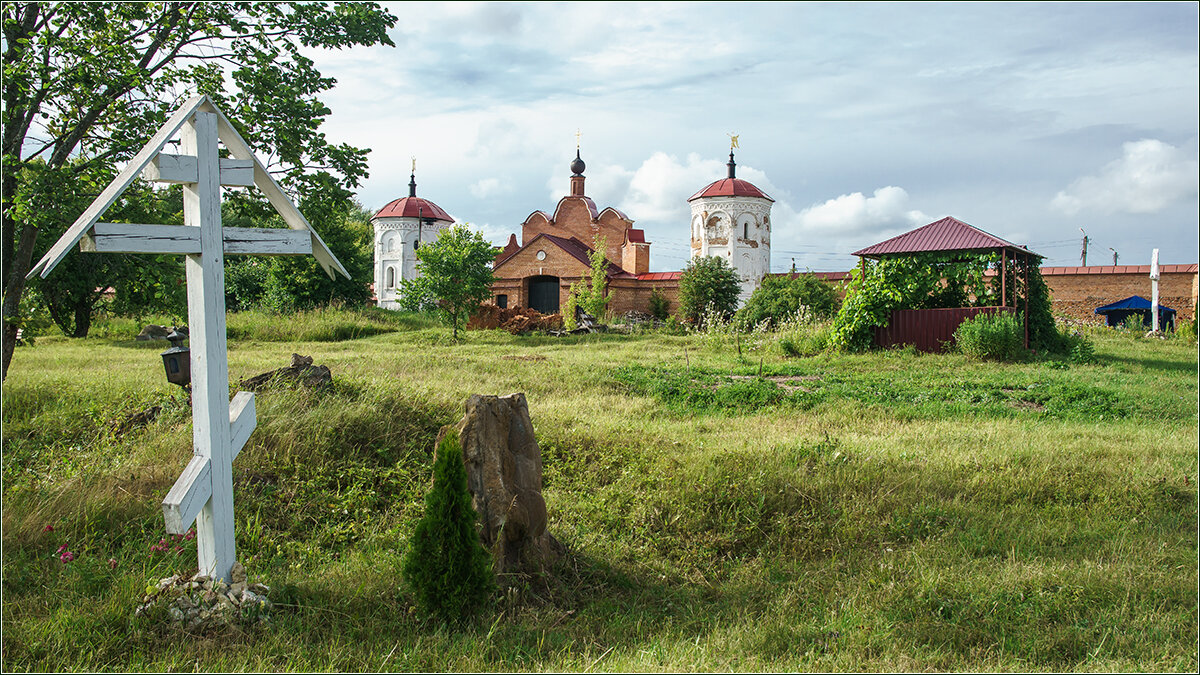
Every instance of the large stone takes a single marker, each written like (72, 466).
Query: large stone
(504, 475)
(302, 372)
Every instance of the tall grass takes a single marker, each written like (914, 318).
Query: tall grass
(916, 512)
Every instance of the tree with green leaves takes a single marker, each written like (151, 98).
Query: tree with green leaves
(780, 297)
(449, 570)
(86, 84)
(455, 275)
(707, 281)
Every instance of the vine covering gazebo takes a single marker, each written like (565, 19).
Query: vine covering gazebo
(960, 264)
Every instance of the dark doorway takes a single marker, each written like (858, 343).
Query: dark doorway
(502, 301)
(543, 294)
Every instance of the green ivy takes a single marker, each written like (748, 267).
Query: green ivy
(923, 281)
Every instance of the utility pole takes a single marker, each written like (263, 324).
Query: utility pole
(1083, 255)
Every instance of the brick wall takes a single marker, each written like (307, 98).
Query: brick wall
(1078, 291)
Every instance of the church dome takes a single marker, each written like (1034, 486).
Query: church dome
(731, 186)
(577, 165)
(413, 207)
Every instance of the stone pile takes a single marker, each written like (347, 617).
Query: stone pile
(515, 320)
(153, 331)
(202, 603)
(301, 372)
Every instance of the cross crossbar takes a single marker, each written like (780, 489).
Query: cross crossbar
(185, 239)
(194, 486)
(165, 168)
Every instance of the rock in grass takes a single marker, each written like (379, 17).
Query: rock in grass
(504, 475)
(302, 372)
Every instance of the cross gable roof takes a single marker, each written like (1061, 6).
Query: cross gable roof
(237, 147)
(572, 247)
(947, 234)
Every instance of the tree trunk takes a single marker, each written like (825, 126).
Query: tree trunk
(14, 288)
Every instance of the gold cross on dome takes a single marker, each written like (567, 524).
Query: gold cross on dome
(578, 133)
(414, 164)
(733, 141)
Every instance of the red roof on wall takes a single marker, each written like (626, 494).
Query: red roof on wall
(1120, 269)
(730, 187)
(658, 276)
(947, 234)
(413, 207)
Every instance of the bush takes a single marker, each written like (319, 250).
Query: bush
(449, 570)
(660, 306)
(1186, 331)
(780, 297)
(707, 282)
(801, 335)
(999, 337)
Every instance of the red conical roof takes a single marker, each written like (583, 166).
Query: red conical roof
(731, 187)
(413, 207)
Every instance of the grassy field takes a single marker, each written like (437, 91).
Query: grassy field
(890, 511)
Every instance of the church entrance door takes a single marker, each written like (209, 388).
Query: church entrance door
(543, 294)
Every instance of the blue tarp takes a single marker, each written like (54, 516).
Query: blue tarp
(1117, 312)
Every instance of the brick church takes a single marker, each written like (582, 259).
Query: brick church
(730, 218)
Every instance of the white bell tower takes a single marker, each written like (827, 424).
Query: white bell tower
(731, 219)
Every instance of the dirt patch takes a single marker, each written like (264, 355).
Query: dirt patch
(1027, 405)
(787, 383)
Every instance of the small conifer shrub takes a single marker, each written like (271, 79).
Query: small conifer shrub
(447, 567)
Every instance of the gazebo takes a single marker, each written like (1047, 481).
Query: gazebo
(1117, 312)
(929, 329)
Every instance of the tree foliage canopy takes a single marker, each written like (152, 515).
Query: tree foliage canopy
(780, 297)
(85, 84)
(455, 275)
(707, 280)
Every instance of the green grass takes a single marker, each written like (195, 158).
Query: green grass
(890, 511)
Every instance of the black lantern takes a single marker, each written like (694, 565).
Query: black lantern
(177, 360)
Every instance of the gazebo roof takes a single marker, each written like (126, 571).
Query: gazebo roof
(947, 234)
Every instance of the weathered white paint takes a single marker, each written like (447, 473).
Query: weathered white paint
(236, 146)
(1154, 277)
(737, 229)
(182, 239)
(166, 168)
(204, 492)
(193, 488)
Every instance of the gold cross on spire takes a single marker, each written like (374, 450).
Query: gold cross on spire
(733, 141)
(578, 133)
(414, 165)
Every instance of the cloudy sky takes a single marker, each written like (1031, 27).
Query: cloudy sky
(1029, 121)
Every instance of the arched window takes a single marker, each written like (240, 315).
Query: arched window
(391, 278)
(391, 243)
(745, 230)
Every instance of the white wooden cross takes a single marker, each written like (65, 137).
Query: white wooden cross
(204, 491)
(1154, 277)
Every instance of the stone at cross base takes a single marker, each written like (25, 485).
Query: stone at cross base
(504, 474)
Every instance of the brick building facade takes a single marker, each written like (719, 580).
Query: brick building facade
(1078, 291)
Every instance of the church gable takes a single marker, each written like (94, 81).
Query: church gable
(543, 255)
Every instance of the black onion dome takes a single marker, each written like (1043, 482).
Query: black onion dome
(577, 165)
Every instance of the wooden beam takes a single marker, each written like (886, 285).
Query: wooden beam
(167, 168)
(238, 147)
(185, 240)
(189, 494)
(115, 188)
(194, 486)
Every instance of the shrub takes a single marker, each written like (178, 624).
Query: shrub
(802, 335)
(660, 306)
(449, 570)
(999, 337)
(1186, 331)
(707, 281)
(780, 297)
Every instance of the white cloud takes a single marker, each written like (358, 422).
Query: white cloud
(1149, 177)
(853, 213)
(489, 187)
